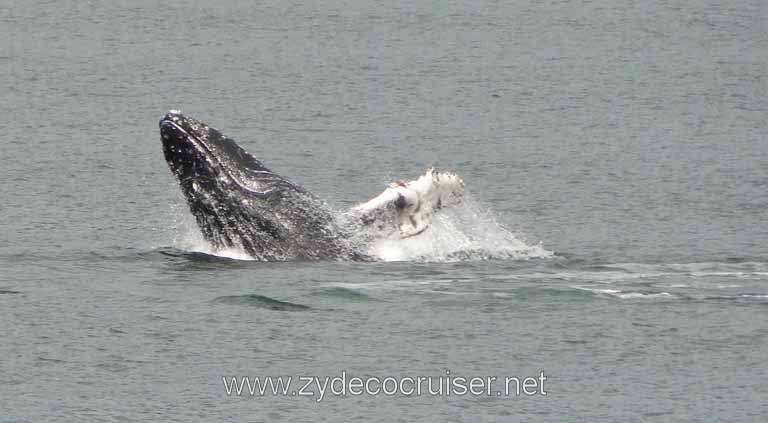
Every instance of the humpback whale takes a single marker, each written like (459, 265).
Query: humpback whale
(238, 202)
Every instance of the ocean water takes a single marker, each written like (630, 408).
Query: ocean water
(614, 236)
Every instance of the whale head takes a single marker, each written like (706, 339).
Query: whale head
(237, 201)
(198, 153)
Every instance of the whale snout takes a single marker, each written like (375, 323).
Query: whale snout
(177, 128)
(173, 116)
(175, 123)
(179, 147)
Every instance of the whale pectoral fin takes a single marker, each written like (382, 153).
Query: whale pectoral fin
(377, 209)
(407, 207)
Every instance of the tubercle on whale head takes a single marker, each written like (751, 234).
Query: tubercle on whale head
(175, 124)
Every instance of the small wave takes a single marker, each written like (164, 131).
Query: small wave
(227, 253)
(260, 301)
(756, 297)
(599, 291)
(618, 293)
(725, 268)
(390, 284)
(612, 276)
(342, 293)
(203, 249)
(626, 295)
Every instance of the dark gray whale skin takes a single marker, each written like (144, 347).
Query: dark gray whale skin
(240, 203)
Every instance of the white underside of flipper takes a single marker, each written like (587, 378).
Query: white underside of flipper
(407, 207)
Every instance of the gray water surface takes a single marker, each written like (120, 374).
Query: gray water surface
(619, 146)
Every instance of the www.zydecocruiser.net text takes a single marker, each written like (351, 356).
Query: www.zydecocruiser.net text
(445, 385)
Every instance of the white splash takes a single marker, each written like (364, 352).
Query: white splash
(462, 232)
(189, 238)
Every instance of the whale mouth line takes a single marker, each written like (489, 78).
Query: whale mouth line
(211, 157)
